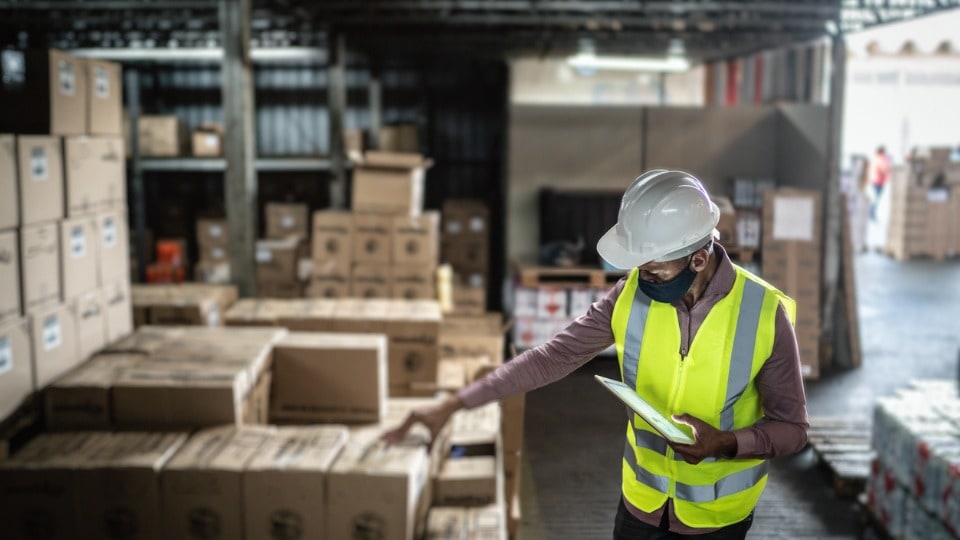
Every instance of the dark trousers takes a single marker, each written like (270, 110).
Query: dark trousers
(628, 527)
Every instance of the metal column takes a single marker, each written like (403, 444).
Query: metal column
(238, 112)
(376, 106)
(139, 211)
(832, 215)
(337, 101)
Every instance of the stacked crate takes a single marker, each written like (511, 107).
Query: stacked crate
(213, 243)
(466, 247)
(181, 304)
(64, 263)
(924, 219)
(278, 256)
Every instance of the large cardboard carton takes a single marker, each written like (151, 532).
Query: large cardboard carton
(277, 261)
(286, 219)
(207, 141)
(330, 378)
(119, 310)
(79, 256)
(40, 266)
(413, 282)
(332, 242)
(40, 178)
(16, 365)
(9, 277)
(202, 485)
(250, 312)
(212, 232)
(447, 523)
(104, 98)
(90, 314)
(389, 183)
(727, 226)
(54, 340)
(370, 281)
(38, 489)
(416, 240)
(376, 491)
(313, 315)
(160, 136)
(467, 481)
(399, 138)
(487, 522)
(477, 430)
(9, 200)
(372, 239)
(329, 286)
(467, 255)
(114, 248)
(94, 174)
(466, 218)
(80, 399)
(469, 300)
(414, 328)
(120, 494)
(284, 486)
(47, 89)
(473, 336)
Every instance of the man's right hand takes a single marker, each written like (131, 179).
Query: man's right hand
(434, 418)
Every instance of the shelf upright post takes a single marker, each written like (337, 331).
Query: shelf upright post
(337, 103)
(240, 178)
(138, 211)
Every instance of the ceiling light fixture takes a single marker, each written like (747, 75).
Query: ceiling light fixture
(588, 61)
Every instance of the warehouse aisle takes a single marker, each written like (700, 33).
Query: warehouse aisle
(574, 430)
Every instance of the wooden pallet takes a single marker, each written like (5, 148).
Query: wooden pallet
(902, 255)
(21, 426)
(536, 276)
(843, 447)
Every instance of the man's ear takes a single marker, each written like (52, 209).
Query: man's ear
(699, 260)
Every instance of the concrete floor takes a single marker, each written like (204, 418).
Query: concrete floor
(910, 326)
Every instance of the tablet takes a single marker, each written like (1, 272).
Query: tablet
(646, 411)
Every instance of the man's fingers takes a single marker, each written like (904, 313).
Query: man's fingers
(396, 435)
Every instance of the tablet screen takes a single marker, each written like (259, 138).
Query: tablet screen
(646, 411)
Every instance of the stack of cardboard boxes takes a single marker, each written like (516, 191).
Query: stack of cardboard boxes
(792, 247)
(64, 278)
(181, 304)
(213, 244)
(925, 203)
(278, 256)
(748, 200)
(466, 247)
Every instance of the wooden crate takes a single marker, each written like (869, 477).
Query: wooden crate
(535, 276)
(843, 446)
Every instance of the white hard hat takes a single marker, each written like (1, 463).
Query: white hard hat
(664, 215)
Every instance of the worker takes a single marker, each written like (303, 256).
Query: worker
(699, 338)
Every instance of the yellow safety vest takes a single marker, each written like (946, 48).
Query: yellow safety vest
(713, 382)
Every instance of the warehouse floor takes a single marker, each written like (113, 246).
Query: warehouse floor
(574, 430)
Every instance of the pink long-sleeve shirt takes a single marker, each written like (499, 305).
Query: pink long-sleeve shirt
(782, 431)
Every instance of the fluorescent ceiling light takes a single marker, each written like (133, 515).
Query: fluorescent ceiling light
(629, 63)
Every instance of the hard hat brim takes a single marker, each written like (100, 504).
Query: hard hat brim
(609, 248)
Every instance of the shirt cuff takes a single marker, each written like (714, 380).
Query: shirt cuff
(746, 443)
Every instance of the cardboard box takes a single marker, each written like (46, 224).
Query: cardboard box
(207, 141)
(389, 183)
(94, 174)
(114, 248)
(119, 310)
(332, 242)
(80, 399)
(469, 300)
(466, 254)
(277, 261)
(212, 233)
(40, 266)
(467, 481)
(370, 281)
(329, 286)
(119, 486)
(48, 88)
(525, 301)
(466, 217)
(90, 314)
(9, 200)
(78, 256)
(313, 315)
(377, 491)
(372, 239)
(487, 522)
(354, 144)
(160, 136)
(16, 365)
(749, 230)
(104, 98)
(399, 138)
(413, 282)
(202, 485)
(9, 277)
(280, 290)
(286, 219)
(330, 378)
(477, 430)
(447, 523)
(284, 486)
(416, 240)
(727, 227)
(40, 179)
(54, 340)
(410, 364)
(552, 303)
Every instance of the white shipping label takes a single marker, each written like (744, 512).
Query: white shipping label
(454, 227)
(938, 195)
(287, 222)
(51, 332)
(39, 166)
(477, 224)
(213, 317)
(6, 355)
(109, 232)
(264, 255)
(68, 79)
(217, 253)
(101, 82)
(78, 242)
(216, 231)
(211, 141)
(793, 218)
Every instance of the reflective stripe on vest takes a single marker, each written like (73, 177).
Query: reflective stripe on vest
(631, 346)
(645, 477)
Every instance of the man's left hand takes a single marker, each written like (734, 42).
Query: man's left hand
(709, 441)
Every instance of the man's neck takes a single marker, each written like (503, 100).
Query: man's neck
(701, 282)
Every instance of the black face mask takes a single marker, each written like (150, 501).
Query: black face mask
(669, 292)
